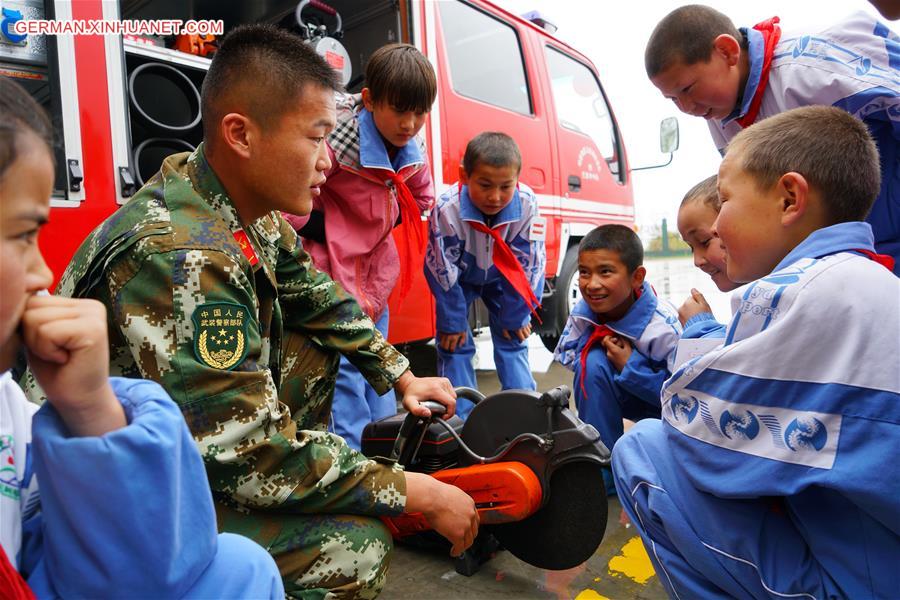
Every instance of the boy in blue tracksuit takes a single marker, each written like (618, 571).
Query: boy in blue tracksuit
(486, 240)
(772, 473)
(620, 339)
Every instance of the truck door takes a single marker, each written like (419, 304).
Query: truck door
(592, 165)
(487, 83)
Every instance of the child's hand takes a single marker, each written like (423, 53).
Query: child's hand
(693, 306)
(68, 353)
(618, 351)
(522, 333)
(451, 341)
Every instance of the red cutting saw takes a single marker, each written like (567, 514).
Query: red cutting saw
(533, 468)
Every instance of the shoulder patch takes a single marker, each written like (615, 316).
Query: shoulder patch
(220, 334)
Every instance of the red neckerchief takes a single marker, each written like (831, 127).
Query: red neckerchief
(771, 33)
(599, 332)
(12, 586)
(413, 236)
(884, 260)
(508, 265)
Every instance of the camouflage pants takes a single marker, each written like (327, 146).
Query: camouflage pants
(319, 556)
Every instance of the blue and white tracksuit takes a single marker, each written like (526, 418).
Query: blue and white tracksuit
(459, 268)
(125, 514)
(652, 327)
(774, 471)
(854, 65)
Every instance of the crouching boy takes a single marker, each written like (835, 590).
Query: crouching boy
(620, 338)
(772, 472)
(486, 240)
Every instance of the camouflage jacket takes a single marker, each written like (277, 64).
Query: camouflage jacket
(201, 304)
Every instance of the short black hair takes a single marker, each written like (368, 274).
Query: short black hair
(401, 76)
(706, 191)
(265, 68)
(687, 34)
(617, 238)
(494, 149)
(19, 115)
(831, 148)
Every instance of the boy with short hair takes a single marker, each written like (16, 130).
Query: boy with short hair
(374, 195)
(768, 475)
(620, 339)
(734, 77)
(486, 240)
(102, 489)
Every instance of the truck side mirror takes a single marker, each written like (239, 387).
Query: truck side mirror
(668, 135)
(668, 142)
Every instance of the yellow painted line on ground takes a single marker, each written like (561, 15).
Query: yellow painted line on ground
(590, 595)
(633, 562)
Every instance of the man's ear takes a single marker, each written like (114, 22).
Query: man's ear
(637, 278)
(793, 190)
(237, 132)
(727, 47)
(367, 99)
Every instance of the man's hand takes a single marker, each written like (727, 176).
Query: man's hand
(618, 350)
(68, 352)
(418, 389)
(693, 306)
(449, 342)
(522, 333)
(448, 509)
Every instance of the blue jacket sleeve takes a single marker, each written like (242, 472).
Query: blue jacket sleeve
(442, 258)
(703, 325)
(642, 378)
(129, 510)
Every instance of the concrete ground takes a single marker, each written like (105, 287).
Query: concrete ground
(619, 568)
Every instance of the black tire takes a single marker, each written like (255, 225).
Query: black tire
(558, 308)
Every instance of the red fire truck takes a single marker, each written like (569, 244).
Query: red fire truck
(120, 104)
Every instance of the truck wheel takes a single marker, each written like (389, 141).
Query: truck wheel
(566, 297)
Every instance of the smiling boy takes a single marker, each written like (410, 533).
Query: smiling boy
(767, 476)
(486, 240)
(620, 338)
(734, 77)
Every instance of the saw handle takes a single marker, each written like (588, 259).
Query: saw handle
(470, 394)
(558, 397)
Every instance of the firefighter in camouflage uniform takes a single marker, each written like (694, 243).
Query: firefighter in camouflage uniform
(210, 293)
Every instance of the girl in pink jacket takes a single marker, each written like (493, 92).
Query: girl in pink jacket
(379, 180)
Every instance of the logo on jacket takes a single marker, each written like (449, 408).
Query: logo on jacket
(805, 433)
(684, 407)
(737, 425)
(220, 334)
(9, 478)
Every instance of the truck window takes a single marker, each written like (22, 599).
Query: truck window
(581, 106)
(485, 57)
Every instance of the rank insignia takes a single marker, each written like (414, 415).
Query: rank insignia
(240, 236)
(220, 334)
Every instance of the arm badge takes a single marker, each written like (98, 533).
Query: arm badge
(220, 334)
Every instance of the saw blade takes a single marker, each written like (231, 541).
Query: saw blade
(568, 529)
